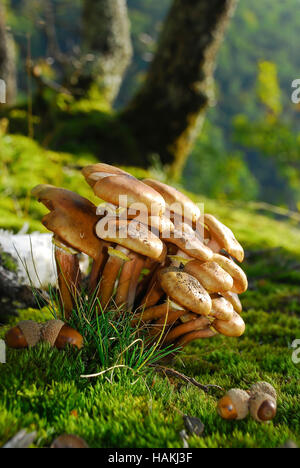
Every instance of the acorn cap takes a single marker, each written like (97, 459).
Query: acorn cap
(189, 243)
(234, 405)
(240, 282)
(264, 387)
(50, 331)
(232, 328)
(224, 237)
(212, 277)
(177, 202)
(222, 309)
(234, 299)
(72, 218)
(133, 236)
(263, 407)
(185, 290)
(32, 331)
(69, 441)
(122, 189)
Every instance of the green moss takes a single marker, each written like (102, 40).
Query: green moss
(40, 388)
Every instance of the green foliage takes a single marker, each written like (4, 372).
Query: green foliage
(214, 172)
(273, 134)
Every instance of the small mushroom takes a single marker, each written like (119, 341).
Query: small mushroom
(177, 202)
(263, 407)
(222, 309)
(72, 219)
(240, 282)
(122, 189)
(224, 237)
(212, 277)
(185, 290)
(138, 241)
(232, 328)
(233, 298)
(264, 387)
(195, 335)
(25, 335)
(234, 405)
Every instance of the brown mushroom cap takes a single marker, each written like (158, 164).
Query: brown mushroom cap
(95, 172)
(122, 189)
(234, 299)
(240, 282)
(212, 277)
(189, 243)
(177, 202)
(224, 237)
(133, 236)
(196, 335)
(232, 328)
(72, 218)
(222, 309)
(185, 290)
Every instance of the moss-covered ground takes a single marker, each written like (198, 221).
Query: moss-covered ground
(42, 390)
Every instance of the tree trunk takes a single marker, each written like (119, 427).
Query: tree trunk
(106, 38)
(7, 59)
(166, 113)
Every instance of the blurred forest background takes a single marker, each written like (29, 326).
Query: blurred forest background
(248, 148)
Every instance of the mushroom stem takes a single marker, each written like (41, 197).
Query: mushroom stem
(69, 277)
(166, 320)
(193, 325)
(138, 267)
(110, 275)
(151, 314)
(125, 280)
(98, 266)
(195, 335)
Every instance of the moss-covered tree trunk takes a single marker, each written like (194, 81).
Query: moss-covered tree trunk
(106, 38)
(7, 59)
(166, 113)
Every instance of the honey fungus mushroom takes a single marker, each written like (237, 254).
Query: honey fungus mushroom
(122, 189)
(178, 204)
(72, 219)
(133, 242)
(221, 237)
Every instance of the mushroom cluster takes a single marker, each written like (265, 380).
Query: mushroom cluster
(152, 250)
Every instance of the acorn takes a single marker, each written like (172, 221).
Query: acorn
(24, 335)
(59, 335)
(263, 387)
(234, 405)
(69, 441)
(263, 407)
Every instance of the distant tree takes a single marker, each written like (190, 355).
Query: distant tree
(166, 114)
(168, 110)
(106, 36)
(7, 59)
